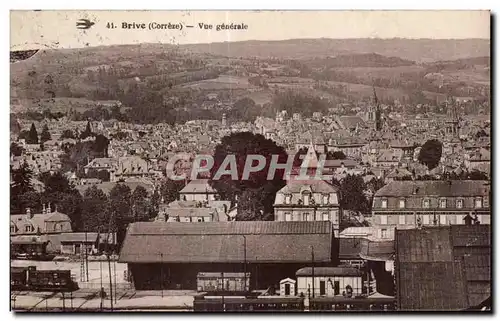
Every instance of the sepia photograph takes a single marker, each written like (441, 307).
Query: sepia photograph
(250, 161)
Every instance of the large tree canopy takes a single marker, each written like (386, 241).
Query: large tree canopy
(430, 153)
(262, 190)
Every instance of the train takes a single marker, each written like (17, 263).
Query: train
(234, 304)
(223, 282)
(31, 279)
(351, 304)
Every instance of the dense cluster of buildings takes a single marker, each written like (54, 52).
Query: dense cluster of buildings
(417, 233)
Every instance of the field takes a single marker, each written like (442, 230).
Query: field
(223, 82)
(381, 72)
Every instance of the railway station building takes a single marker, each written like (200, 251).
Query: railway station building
(163, 255)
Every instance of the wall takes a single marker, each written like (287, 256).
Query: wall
(305, 282)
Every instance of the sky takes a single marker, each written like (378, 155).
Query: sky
(57, 29)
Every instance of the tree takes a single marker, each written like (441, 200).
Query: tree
(30, 200)
(68, 134)
(430, 153)
(169, 189)
(56, 183)
(32, 137)
(70, 204)
(477, 175)
(45, 135)
(140, 204)
(21, 179)
(20, 185)
(336, 155)
(239, 146)
(94, 214)
(119, 207)
(15, 149)
(87, 132)
(352, 196)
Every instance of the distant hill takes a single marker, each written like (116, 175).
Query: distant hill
(420, 50)
(360, 60)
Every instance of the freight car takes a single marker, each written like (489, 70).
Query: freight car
(231, 304)
(351, 304)
(218, 282)
(42, 280)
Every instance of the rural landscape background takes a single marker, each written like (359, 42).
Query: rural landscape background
(168, 83)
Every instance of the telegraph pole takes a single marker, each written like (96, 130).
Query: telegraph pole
(312, 257)
(245, 261)
(86, 257)
(161, 273)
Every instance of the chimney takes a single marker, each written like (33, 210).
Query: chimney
(28, 213)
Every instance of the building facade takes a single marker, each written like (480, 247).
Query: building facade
(409, 204)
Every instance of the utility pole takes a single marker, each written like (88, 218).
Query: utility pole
(161, 273)
(312, 258)
(245, 262)
(114, 267)
(86, 257)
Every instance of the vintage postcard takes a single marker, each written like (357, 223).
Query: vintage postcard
(223, 161)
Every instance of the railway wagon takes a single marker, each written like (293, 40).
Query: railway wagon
(18, 278)
(223, 282)
(351, 304)
(231, 304)
(51, 280)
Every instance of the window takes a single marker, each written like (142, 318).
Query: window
(442, 203)
(402, 203)
(426, 203)
(325, 199)
(384, 203)
(288, 217)
(442, 219)
(336, 288)
(460, 203)
(478, 203)
(307, 217)
(12, 229)
(485, 201)
(383, 219)
(326, 216)
(305, 197)
(288, 198)
(322, 288)
(28, 228)
(383, 233)
(402, 219)
(200, 219)
(426, 219)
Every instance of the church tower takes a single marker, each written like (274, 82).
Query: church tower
(377, 113)
(452, 121)
(224, 121)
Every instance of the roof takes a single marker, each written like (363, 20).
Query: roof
(443, 268)
(436, 286)
(78, 237)
(350, 122)
(317, 186)
(340, 163)
(28, 239)
(328, 271)
(198, 186)
(453, 188)
(377, 250)
(349, 248)
(222, 242)
(190, 211)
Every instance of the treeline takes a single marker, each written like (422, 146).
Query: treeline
(93, 211)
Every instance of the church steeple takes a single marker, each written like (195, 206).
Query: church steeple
(378, 114)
